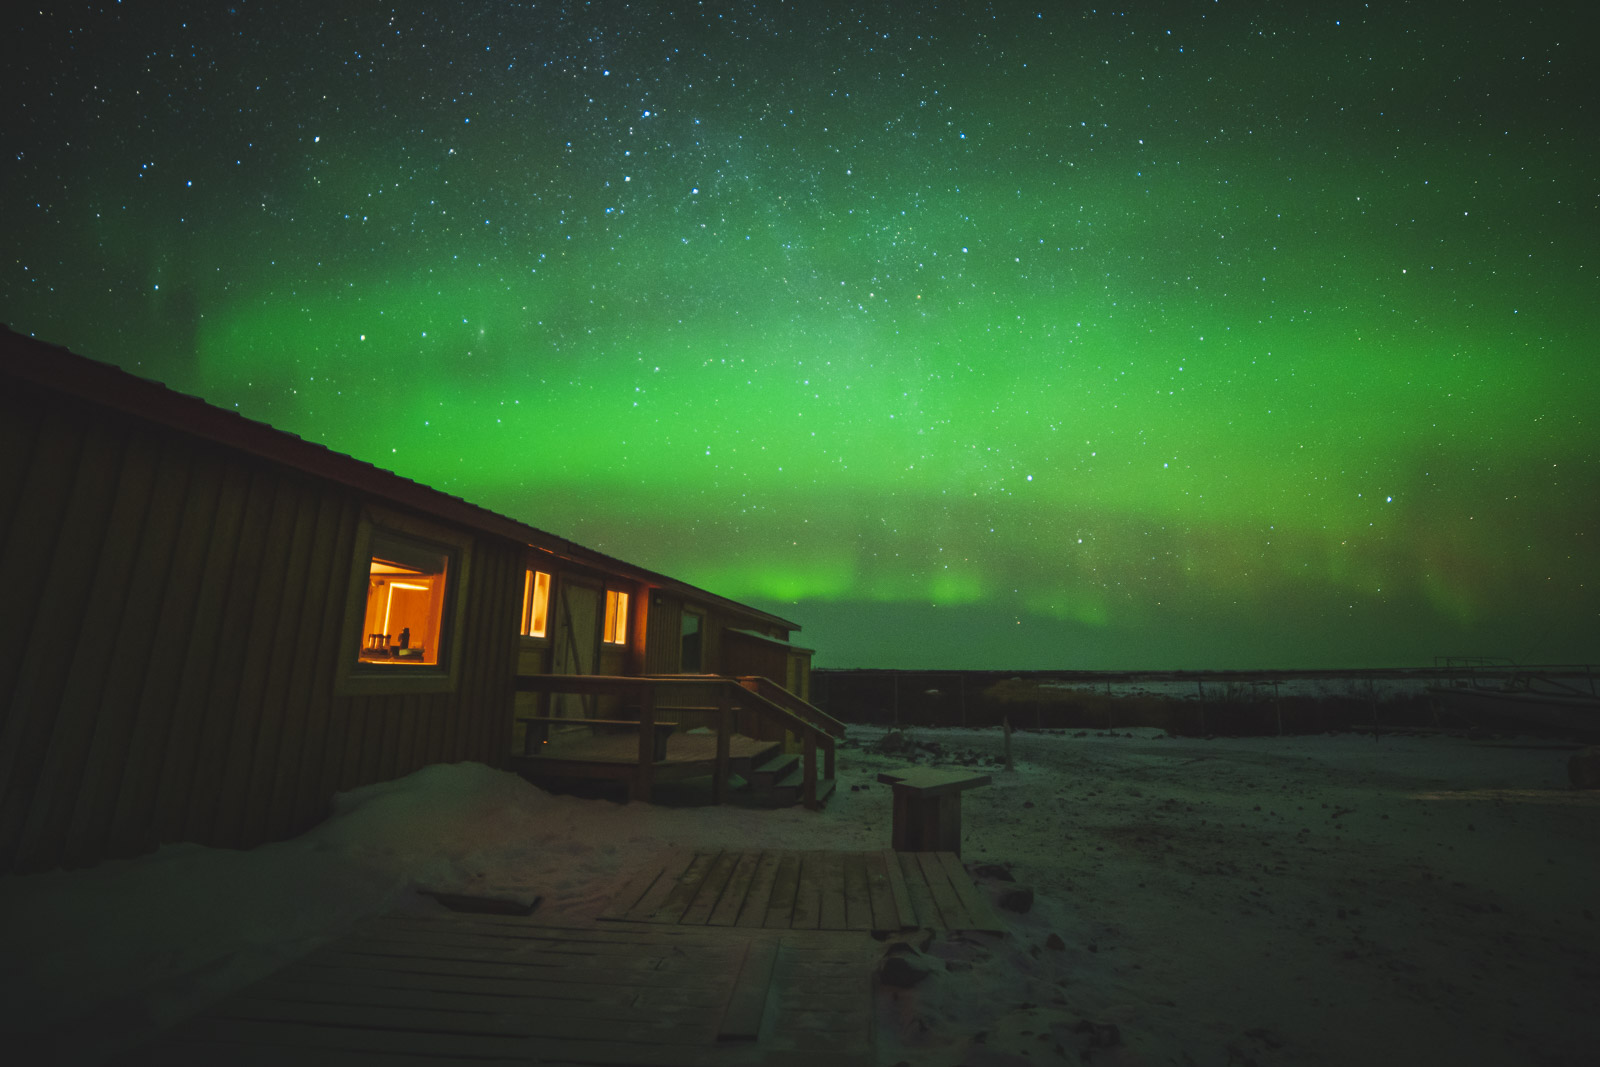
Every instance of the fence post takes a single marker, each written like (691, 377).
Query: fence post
(719, 774)
(644, 773)
(809, 771)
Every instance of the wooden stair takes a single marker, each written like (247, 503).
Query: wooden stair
(780, 783)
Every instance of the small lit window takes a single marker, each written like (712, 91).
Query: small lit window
(405, 601)
(616, 632)
(535, 603)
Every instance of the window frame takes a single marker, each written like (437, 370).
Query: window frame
(617, 604)
(549, 604)
(352, 676)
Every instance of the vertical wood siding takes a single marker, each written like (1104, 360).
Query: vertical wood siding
(663, 649)
(170, 642)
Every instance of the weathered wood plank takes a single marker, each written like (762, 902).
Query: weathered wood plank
(885, 916)
(785, 887)
(898, 889)
(832, 914)
(916, 883)
(857, 901)
(951, 912)
(577, 986)
(624, 971)
(759, 896)
(615, 1009)
(249, 1033)
(529, 928)
(422, 941)
(718, 875)
(627, 897)
(747, 1002)
(528, 1021)
(673, 867)
(808, 893)
(979, 914)
(734, 896)
(678, 899)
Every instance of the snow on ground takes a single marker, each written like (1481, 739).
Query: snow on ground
(1307, 900)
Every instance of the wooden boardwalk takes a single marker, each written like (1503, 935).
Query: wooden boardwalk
(503, 990)
(788, 890)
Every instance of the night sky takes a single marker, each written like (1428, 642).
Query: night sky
(963, 334)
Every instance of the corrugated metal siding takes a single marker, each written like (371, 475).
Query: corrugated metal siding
(173, 622)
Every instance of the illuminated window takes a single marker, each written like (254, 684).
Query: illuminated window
(405, 601)
(616, 632)
(535, 603)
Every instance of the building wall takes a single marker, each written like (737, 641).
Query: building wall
(168, 641)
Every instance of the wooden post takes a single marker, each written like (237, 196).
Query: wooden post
(827, 757)
(809, 795)
(719, 774)
(644, 774)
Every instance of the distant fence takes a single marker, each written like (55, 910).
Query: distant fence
(1229, 703)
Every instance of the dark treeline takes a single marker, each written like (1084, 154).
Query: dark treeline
(1191, 703)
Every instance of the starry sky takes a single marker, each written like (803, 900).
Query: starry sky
(1208, 335)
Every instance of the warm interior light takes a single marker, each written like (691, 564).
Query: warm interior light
(535, 603)
(616, 627)
(418, 572)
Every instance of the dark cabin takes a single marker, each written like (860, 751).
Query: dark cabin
(211, 626)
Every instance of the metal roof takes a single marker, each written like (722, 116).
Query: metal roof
(58, 370)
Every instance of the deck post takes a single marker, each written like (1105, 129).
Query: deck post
(644, 773)
(809, 762)
(719, 774)
(827, 757)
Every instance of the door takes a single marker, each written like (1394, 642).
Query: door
(577, 649)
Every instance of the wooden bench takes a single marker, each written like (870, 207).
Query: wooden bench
(927, 807)
(537, 731)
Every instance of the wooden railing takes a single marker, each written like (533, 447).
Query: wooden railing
(800, 709)
(730, 695)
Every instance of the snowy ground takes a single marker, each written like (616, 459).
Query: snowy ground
(1310, 900)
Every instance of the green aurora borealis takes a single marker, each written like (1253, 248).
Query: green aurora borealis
(975, 335)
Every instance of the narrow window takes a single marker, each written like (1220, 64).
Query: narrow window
(616, 632)
(405, 601)
(535, 603)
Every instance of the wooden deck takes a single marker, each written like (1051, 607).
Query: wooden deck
(623, 747)
(688, 755)
(789, 890)
(503, 989)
